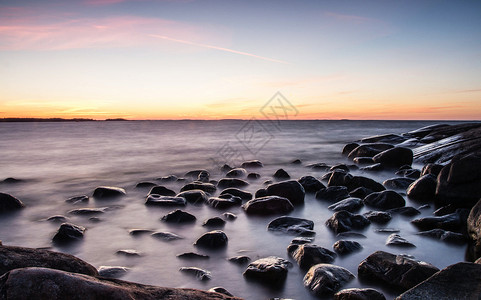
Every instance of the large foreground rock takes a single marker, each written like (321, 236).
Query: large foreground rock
(290, 189)
(12, 257)
(270, 270)
(325, 279)
(9, 203)
(43, 283)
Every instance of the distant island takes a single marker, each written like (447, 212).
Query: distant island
(56, 120)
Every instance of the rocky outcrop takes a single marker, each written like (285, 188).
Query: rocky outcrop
(325, 279)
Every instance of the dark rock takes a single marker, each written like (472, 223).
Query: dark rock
(360, 192)
(307, 255)
(69, 232)
(78, 199)
(194, 174)
(395, 157)
(290, 189)
(456, 221)
(318, 167)
(363, 160)
(158, 200)
(212, 239)
(385, 138)
(444, 235)
(423, 189)
(12, 257)
(424, 206)
(89, 211)
(129, 252)
(310, 184)
(232, 183)
(145, 184)
(343, 221)
(196, 185)
(291, 225)
(162, 191)
(194, 196)
(106, 192)
(229, 216)
(268, 205)
(369, 150)
(474, 229)
(339, 177)
(203, 176)
(387, 230)
(359, 294)
(384, 200)
(252, 164)
(240, 260)
(351, 234)
(349, 204)
(444, 210)
(380, 217)
(43, 283)
(344, 247)
(339, 167)
(374, 168)
(458, 281)
(201, 274)
(253, 176)
(260, 193)
(179, 216)
(95, 219)
(58, 219)
(333, 194)
(396, 271)
(361, 181)
(192, 255)
(214, 222)
(422, 132)
(433, 169)
(11, 180)
(238, 193)
(166, 236)
(221, 290)
(138, 232)
(270, 270)
(302, 240)
(398, 241)
(9, 203)
(226, 168)
(112, 271)
(409, 173)
(296, 162)
(168, 178)
(407, 211)
(222, 203)
(325, 279)
(281, 174)
(348, 148)
(398, 183)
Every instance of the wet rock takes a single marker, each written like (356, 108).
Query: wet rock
(270, 270)
(344, 247)
(58, 219)
(107, 192)
(212, 239)
(339, 178)
(224, 203)
(385, 138)
(409, 173)
(129, 252)
(260, 193)
(11, 180)
(302, 240)
(203, 176)
(399, 272)
(158, 200)
(291, 225)
(12, 257)
(387, 230)
(281, 174)
(78, 199)
(168, 178)
(398, 183)
(318, 167)
(474, 229)
(379, 217)
(221, 290)
(192, 255)
(423, 189)
(407, 211)
(252, 164)
(310, 184)
(290, 189)
(194, 196)
(456, 221)
(138, 232)
(360, 192)
(229, 216)
(351, 234)
(226, 168)
(361, 181)
(363, 160)
(444, 235)
(333, 194)
(444, 210)
(343, 221)
(196, 185)
(368, 150)
(325, 279)
(449, 284)
(307, 255)
(339, 167)
(162, 191)
(112, 271)
(350, 204)
(253, 176)
(9, 203)
(268, 205)
(244, 195)
(145, 184)
(296, 162)
(398, 241)
(348, 148)
(201, 274)
(179, 216)
(232, 183)
(87, 211)
(43, 283)
(384, 200)
(214, 222)
(359, 294)
(374, 168)
(240, 260)
(433, 169)
(166, 236)
(394, 157)
(194, 174)
(69, 232)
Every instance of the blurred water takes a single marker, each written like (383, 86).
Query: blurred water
(61, 160)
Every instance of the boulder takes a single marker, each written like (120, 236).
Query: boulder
(290, 189)
(359, 294)
(68, 232)
(398, 183)
(214, 222)
(194, 196)
(281, 174)
(326, 279)
(399, 272)
(333, 194)
(224, 203)
(112, 271)
(343, 221)
(433, 169)
(201, 274)
(456, 221)
(384, 200)
(474, 229)
(145, 184)
(444, 235)
(423, 189)
(369, 150)
(162, 191)
(396, 240)
(339, 178)
(360, 192)
(195, 173)
(197, 185)
(361, 181)
(238, 193)
(232, 183)
(158, 200)
(166, 236)
(107, 192)
(379, 217)
(252, 164)
(192, 255)
(9, 203)
(268, 205)
(310, 184)
(78, 199)
(212, 239)
(340, 167)
(349, 204)
(291, 225)
(361, 160)
(253, 176)
(240, 260)
(409, 173)
(270, 270)
(307, 255)
(394, 157)
(178, 216)
(348, 148)
(236, 173)
(344, 247)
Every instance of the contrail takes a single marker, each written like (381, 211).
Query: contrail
(218, 48)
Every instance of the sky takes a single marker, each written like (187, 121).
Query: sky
(223, 59)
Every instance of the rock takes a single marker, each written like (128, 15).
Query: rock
(112, 271)
(387, 230)
(349, 204)
(196, 185)
(232, 183)
(12, 257)
(359, 294)
(348, 148)
(194, 196)
(368, 150)
(87, 211)
(384, 200)
(252, 164)
(179, 216)
(270, 270)
(302, 240)
(444, 235)
(291, 225)
(325, 279)
(409, 173)
(318, 167)
(281, 175)
(162, 191)
(423, 189)
(212, 239)
(238, 193)
(339, 178)
(253, 176)
(108, 192)
(221, 290)
(158, 200)
(351, 234)
(58, 219)
(296, 162)
(236, 173)
(11, 180)
(474, 229)
(310, 184)
(43, 283)
(9, 203)
(290, 189)
(385, 138)
(444, 210)
(398, 183)
(166, 236)
(203, 176)
(138, 232)
(268, 205)
(363, 160)
(396, 271)
(407, 211)
(339, 167)
(240, 260)
(226, 168)
(229, 216)
(458, 281)
(194, 174)
(360, 192)
(214, 222)
(379, 217)
(201, 274)
(168, 178)
(433, 169)
(260, 193)
(145, 184)
(343, 221)
(398, 241)
(68, 232)
(344, 247)
(361, 181)
(374, 168)
(395, 157)
(222, 203)
(128, 252)
(192, 255)
(333, 194)
(78, 199)
(456, 221)
(307, 255)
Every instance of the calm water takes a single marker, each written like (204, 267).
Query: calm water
(61, 160)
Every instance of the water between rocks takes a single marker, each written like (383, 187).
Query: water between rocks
(61, 160)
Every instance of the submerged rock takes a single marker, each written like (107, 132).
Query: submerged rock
(398, 183)
(158, 200)
(268, 205)
(307, 255)
(343, 221)
(444, 235)
(225, 202)
(78, 199)
(162, 191)
(345, 247)
(201, 274)
(197, 185)
(456, 221)
(194, 196)
(325, 279)
(192, 255)
(88, 211)
(232, 183)
(69, 232)
(9, 203)
(145, 184)
(166, 236)
(244, 195)
(270, 270)
(290, 189)
(179, 216)
(252, 164)
(291, 225)
(129, 252)
(311, 184)
(214, 222)
(333, 194)
(107, 192)
(241, 260)
(236, 173)
(112, 271)
(384, 200)
(212, 239)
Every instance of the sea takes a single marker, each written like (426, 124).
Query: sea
(58, 160)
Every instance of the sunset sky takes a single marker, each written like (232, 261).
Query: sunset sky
(215, 59)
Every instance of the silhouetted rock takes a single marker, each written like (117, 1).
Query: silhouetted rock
(325, 279)
(162, 191)
(343, 221)
(179, 216)
(270, 270)
(385, 138)
(9, 203)
(212, 239)
(361, 181)
(268, 205)
(359, 294)
(307, 255)
(106, 192)
(333, 194)
(423, 189)
(395, 157)
(384, 200)
(253, 176)
(281, 174)
(69, 232)
(310, 184)
(290, 189)
(444, 235)
(456, 221)
(344, 247)
(252, 164)
(145, 184)
(348, 148)
(214, 222)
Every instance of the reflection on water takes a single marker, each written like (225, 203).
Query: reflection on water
(61, 160)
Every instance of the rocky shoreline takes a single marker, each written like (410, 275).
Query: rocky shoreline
(449, 180)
